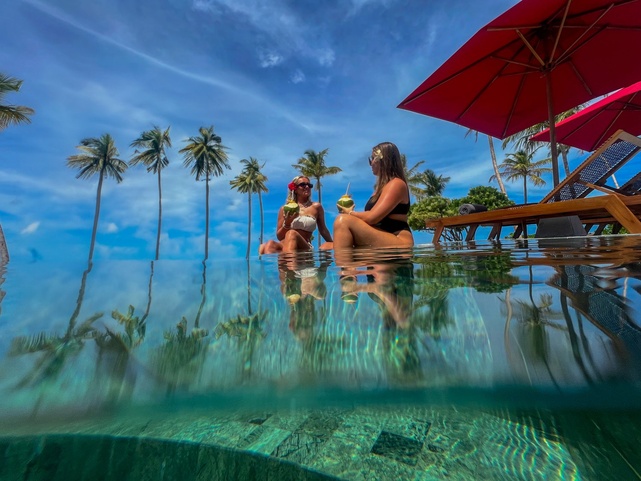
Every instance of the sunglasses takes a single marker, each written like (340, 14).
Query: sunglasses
(305, 184)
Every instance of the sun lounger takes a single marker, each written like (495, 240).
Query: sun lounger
(564, 199)
(607, 208)
(597, 168)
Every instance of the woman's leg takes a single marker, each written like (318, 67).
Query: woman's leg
(293, 241)
(270, 247)
(349, 231)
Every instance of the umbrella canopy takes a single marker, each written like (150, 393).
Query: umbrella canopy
(590, 127)
(537, 59)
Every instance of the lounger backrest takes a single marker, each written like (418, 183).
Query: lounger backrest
(597, 168)
(632, 186)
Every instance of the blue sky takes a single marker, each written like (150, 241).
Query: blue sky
(274, 78)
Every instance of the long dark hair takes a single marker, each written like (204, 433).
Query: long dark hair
(390, 165)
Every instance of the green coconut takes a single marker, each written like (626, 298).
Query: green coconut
(345, 201)
(349, 298)
(291, 208)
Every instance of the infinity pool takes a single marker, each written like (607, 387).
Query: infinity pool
(519, 360)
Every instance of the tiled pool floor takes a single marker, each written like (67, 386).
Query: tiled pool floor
(359, 443)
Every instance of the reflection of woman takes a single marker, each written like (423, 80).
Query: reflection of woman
(294, 231)
(384, 220)
(302, 287)
(390, 285)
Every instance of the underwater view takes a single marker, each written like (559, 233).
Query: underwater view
(515, 360)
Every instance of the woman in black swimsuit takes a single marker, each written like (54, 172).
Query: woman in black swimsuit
(383, 223)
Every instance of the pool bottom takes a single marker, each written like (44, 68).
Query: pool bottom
(359, 443)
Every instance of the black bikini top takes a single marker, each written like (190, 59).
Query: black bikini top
(402, 209)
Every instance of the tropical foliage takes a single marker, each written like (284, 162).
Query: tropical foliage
(312, 165)
(250, 181)
(152, 145)
(438, 206)
(206, 156)
(99, 156)
(12, 114)
(521, 166)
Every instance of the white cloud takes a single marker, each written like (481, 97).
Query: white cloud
(297, 77)
(270, 59)
(326, 57)
(31, 228)
(111, 228)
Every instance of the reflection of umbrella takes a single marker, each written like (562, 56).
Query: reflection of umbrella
(537, 59)
(590, 127)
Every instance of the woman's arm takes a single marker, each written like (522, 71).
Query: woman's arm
(320, 222)
(394, 193)
(283, 224)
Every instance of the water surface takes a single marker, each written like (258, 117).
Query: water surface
(482, 361)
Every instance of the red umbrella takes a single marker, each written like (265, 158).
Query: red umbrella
(537, 59)
(590, 127)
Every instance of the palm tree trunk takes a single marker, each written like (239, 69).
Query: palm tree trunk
(262, 217)
(525, 234)
(203, 298)
(207, 217)
(320, 201)
(249, 289)
(249, 225)
(159, 216)
(495, 165)
(95, 216)
(566, 164)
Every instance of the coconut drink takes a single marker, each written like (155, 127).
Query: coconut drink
(291, 208)
(345, 201)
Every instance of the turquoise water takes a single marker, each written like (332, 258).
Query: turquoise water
(519, 360)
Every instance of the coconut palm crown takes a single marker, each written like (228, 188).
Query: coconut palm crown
(12, 114)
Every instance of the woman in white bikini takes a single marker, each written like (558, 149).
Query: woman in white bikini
(294, 231)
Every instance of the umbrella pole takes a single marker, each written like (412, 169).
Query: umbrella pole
(553, 149)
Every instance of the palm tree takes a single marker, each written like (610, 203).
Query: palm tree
(520, 165)
(153, 143)
(313, 166)
(249, 181)
(495, 165)
(12, 114)
(412, 176)
(99, 156)
(434, 184)
(206, 156)
(521, 140)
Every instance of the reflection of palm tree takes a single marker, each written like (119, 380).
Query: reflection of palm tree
(4, 260)
(114, 350)
(99, 156)
(206, 156)
(534, 320)
(57, 349)
(180, 359)
(153, 156)
(248, 330)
